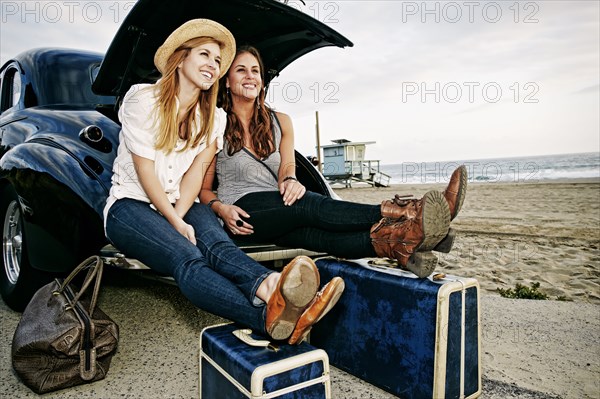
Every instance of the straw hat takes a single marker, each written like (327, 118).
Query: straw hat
(197, 28)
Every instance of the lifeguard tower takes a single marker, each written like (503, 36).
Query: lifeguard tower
(344, 162)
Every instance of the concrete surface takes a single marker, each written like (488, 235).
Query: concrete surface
(530, 349)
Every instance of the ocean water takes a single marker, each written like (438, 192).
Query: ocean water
(518, 170)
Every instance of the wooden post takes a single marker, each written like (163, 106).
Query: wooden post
(320, 167)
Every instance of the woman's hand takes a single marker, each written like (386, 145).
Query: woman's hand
(232, 218)
(291, 190)
(186, 230)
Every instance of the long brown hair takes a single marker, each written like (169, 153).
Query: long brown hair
(260, 123)
(168, 87)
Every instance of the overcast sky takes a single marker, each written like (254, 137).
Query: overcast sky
(427, 81)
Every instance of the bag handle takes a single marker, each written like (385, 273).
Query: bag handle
(96, 267)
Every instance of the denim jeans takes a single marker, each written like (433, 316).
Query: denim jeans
(315, 222)
(214, 274)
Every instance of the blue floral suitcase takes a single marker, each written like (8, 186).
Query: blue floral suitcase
(415, 338)
(232, 369)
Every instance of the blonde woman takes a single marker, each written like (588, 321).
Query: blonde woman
(171, 130)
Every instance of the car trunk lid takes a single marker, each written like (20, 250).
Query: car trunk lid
(281, 33)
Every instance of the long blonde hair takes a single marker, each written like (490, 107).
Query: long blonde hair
(166, 106)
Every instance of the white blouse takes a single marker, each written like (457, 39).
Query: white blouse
(139, 131)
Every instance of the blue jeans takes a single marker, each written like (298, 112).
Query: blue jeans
(214, 274)
(315, 222)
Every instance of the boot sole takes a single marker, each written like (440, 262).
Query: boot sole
(298, 290)
(436, 220)
(462, 190)
(422, 264)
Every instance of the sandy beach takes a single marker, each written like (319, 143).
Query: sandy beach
(524, 233)
(508, 233)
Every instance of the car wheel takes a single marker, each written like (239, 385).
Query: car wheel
(18, 280)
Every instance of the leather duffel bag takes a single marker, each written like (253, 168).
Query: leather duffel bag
(63, 339)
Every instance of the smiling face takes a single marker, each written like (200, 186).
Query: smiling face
(244, 77)
(201, 67)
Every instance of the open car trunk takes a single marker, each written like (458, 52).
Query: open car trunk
(281, 33)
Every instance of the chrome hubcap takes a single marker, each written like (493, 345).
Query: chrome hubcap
(12, 242)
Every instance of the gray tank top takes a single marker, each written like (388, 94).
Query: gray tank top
(243, 173)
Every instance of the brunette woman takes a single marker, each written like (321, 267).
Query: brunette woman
(260, 199)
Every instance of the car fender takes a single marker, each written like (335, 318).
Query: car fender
(62, 200)
(80, 175)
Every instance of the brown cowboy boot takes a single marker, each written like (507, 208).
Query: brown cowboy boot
(403, 207)
(400, 239)
(407, 207)
(455, 193)
(456, 190)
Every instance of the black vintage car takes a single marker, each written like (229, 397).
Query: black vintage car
(59, 131)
